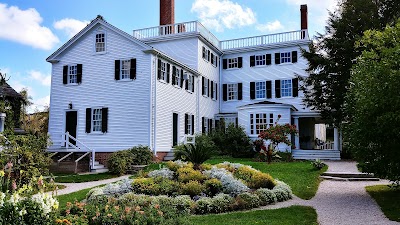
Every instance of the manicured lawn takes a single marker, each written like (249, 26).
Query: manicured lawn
(78, 196)
(292, 215)
(84, 178)
(299, 175)
(388, 199)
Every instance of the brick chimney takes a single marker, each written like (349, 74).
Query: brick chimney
(303, 17)
(167, 12)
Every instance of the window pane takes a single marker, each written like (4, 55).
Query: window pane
(260, 89)
(286, 88)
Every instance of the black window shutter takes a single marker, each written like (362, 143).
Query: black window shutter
(168, 69)
(212, 58)
(186, 123)
(278, 58)
(79, 73)
(216, 60)
(187, 83)
(240, 62)
(204, 52)
(159, 69)
(252, 90)
(240, 91)
(268, 85)
(192, 83)
(208, 87)
(208, 55)
(104, 120)
(268, 59)
(216, 91)
(203, 129)
(88, 120)
(202, 85)
(212, 89)
(225, 64)
(192, 124)
(65, 74)
(182, 80)
(224, 92)
(277, 88)
(295, 85)
(117, 69)
(209, 125)
(133, 69)
(252, 60)
(237, 122)
(173, 74)
(294, 56)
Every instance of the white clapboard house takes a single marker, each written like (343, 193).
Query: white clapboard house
(159, 86)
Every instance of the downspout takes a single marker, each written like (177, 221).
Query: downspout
(154, 102)
(198, 104)
(220, 83)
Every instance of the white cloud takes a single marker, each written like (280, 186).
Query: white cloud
(23, 26)
(40, 103)
(220, 14)
(42, 78)
(270, 26)
(70, 26)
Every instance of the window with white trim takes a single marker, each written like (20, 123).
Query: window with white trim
(96, 119)
(232, 91)
(72, 74)
(286, 88)
(205, 125)
(260, 60)
(259, 122)
(189, 124)
(214, 91)
(206, 81)
(215, 61)
(260, 89)
(286, 57)
(164, 72)
(125, 69)
(229, 120)
(233, 63)
(100, 42)
(177, 80)
(190, 83)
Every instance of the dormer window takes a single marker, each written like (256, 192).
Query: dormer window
(100, 42)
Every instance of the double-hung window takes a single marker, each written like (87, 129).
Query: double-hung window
(286, 57)
(164, 72)
(259, 122)
(177, 77)
(189, 125)
(96, 119)
(72, 74)
(229, 120)
(260, 60)
(214, 95)
(125, 69)
(206, 82)
(260, 89)
(190, 83)
(232, 91)
(286, 88)
(100, 42)
(232, 63)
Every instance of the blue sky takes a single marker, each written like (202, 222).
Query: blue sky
(31, 30)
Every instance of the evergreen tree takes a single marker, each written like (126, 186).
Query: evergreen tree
(333, 54)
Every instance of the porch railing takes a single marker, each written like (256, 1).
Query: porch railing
(188, 139)
(79, 148)
(326, 145)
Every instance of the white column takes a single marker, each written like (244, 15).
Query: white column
(2, 121)
(335, 138)
(296, 137)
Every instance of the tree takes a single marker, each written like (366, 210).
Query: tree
(332, 56)
(373, 103)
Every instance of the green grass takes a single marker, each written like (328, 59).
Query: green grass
(299, 175)
(388, 199)
(84, 178)
(78, 196)
(292, 215)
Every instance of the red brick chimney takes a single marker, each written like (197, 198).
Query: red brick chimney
(167, 12)
(303, 17)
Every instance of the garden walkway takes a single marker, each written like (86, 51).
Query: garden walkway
(73, 187)
(343, 202)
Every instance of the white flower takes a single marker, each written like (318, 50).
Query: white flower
(2, 197)
(164, 173)
(14, 199)
(22, 212)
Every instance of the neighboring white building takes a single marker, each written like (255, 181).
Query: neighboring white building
(111, 90)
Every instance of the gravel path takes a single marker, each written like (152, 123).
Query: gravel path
(73, 187)
(339, 202)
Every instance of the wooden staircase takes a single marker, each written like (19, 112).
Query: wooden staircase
(316, 154)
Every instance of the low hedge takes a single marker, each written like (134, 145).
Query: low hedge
(119, 162)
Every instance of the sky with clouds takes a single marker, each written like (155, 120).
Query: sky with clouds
(31, 30)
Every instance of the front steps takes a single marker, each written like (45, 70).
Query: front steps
(170, 156)
(316, 154)
(345, 176)
(68, 164)
(98, 168)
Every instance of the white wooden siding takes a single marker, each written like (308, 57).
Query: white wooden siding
(128, 102)
(272, 72)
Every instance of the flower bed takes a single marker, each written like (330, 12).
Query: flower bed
(212, 189)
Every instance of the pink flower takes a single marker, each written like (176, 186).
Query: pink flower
(14, 185)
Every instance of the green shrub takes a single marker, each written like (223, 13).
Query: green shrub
(282, 191)
(192, 188)
(247, 200)
(232, 141)
(142, 155)
(145, 186)
(175, 165)
(119, 162)
(166, 186)
(318, 164)
(218, 204)
(266, 196)
(187, 174)
(196, 154)
(254, 178)
(213, 186)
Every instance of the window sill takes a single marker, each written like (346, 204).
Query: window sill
(288, 97)
(162, 81)
(72, 84)
(177, 86)
(284, 64)
(124, 80)
(96, 133)
(190, 92)
(236, 68)
(100, 53)
(234, 100)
